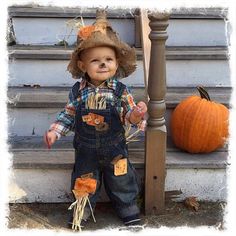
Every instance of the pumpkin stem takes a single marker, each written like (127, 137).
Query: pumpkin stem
(203, 93)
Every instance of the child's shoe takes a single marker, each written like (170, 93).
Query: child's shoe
(133, 223)
(132, 220)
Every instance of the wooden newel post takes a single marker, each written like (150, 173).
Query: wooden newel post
(156, 130)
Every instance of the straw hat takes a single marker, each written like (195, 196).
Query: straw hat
(101, 34)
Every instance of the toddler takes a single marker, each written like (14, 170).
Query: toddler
(98, 108)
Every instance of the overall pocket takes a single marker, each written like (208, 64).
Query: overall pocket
(95, 120)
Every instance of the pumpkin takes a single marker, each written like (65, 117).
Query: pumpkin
(199, 125)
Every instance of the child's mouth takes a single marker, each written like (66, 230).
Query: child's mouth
(103, 71)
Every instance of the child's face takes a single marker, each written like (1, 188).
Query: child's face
(100, 63)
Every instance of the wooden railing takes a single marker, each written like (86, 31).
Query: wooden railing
(155, 150)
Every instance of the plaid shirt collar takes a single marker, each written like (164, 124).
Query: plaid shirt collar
(110, 83)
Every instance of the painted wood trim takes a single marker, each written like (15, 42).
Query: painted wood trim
(146, 45)
(137, 38)
(156, 134)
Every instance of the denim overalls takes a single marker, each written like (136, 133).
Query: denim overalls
(96, 149)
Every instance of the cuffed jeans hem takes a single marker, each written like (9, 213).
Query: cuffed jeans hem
(126, 211)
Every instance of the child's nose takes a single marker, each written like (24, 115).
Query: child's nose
(102, 65)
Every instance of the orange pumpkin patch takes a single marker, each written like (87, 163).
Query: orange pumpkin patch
(199, 125)
(85, 185)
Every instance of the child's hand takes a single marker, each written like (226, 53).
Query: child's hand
(50, 138)
(138, 112)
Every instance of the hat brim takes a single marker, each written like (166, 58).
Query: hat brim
(126, 55)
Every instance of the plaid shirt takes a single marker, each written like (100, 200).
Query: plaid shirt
(65, 120)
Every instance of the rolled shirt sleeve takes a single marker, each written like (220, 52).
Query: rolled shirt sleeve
(65, 119)
(128, 104)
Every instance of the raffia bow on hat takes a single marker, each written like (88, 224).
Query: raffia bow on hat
(102, 34)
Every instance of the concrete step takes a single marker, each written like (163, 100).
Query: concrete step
(56, 97)
(64, 159)
(185, 65)
(30, 152)
(37, 121)
(178, 72)
(45, 52)
(41, 175)
(72, 12)
(195, 24)
(40, 106)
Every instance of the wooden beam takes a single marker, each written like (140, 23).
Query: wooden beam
(155, 151)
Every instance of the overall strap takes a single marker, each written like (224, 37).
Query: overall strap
(120, 87)
(75, 92)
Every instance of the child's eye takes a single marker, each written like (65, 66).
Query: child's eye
(94, 60)
(110, 59)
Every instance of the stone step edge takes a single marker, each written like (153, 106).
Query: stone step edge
(54, 159)
(172, 53)
(56, 97)
(32, 143)
(118, 13)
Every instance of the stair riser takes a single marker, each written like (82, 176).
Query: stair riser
(51, 30)
(178, 73)
(27, 122)
(31, 185)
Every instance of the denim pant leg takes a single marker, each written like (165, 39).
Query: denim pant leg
(122, 190)
(85, 165)
(94, 197)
